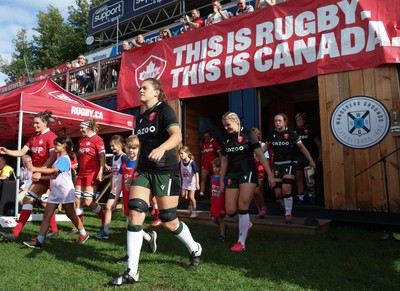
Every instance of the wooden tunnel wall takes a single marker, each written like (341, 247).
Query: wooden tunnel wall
(366, 192)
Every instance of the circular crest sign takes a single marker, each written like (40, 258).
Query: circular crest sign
(360, 122)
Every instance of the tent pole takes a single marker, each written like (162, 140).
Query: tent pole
(21, 119)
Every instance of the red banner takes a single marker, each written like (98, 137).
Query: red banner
(288, 42)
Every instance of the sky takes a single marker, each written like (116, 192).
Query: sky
(17, 14)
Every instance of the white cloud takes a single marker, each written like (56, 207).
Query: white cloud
(17, 14)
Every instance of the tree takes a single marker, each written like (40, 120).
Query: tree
(55, 42)
(48, 39)
(16, 67)
(78, 20)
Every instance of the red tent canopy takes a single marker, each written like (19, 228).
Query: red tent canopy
(17, 109)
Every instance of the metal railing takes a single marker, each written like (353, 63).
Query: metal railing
(94, 78)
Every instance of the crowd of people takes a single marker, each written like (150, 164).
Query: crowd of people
(86, 80)
(195, 20)
(146, 172)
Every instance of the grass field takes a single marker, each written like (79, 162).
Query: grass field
(346, 258)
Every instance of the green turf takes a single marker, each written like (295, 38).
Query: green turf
(346, 258)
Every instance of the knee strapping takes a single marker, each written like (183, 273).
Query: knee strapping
(78, 193)
(32, 195)
(167, 215)
(287, 181)
(138, 205)
(88, 195)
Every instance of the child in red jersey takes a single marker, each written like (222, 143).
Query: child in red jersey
(217, 210)
(210, 150)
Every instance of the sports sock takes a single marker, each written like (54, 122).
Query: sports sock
(40, 238)
(244, 224)
(23, 218)
(146, 236)
(134, 244)
(288, 204)
(182, 232)
(106, 227)
(53, 223)
(100, 213)
(79, 213)
(82, 231)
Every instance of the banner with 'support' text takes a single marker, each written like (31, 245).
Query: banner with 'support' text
(288, 42)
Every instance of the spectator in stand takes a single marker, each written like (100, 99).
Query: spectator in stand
(193, 24)
(25, 177)
(83, 76)
(73, 85)
(243, 8)
(264, 3)
(125, 46)
(139, 42)
(165, 33)
(218, 15)
(6, 171)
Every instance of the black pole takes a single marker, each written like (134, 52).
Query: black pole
(390, 236)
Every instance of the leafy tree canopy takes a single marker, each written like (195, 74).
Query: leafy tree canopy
(55, 41)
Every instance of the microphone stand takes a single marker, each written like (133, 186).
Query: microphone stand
(390, 236)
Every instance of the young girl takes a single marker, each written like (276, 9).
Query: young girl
(217, 210)
(117, 145)
(126, 171)
(190, 179)
(62, 192)
(210, 150)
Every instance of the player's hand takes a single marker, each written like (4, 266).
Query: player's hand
(156, 154)
(36, 176)
(271, 181)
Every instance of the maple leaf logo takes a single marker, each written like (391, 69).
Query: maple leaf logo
(63, 97)
(153, 67)
(151, 72)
